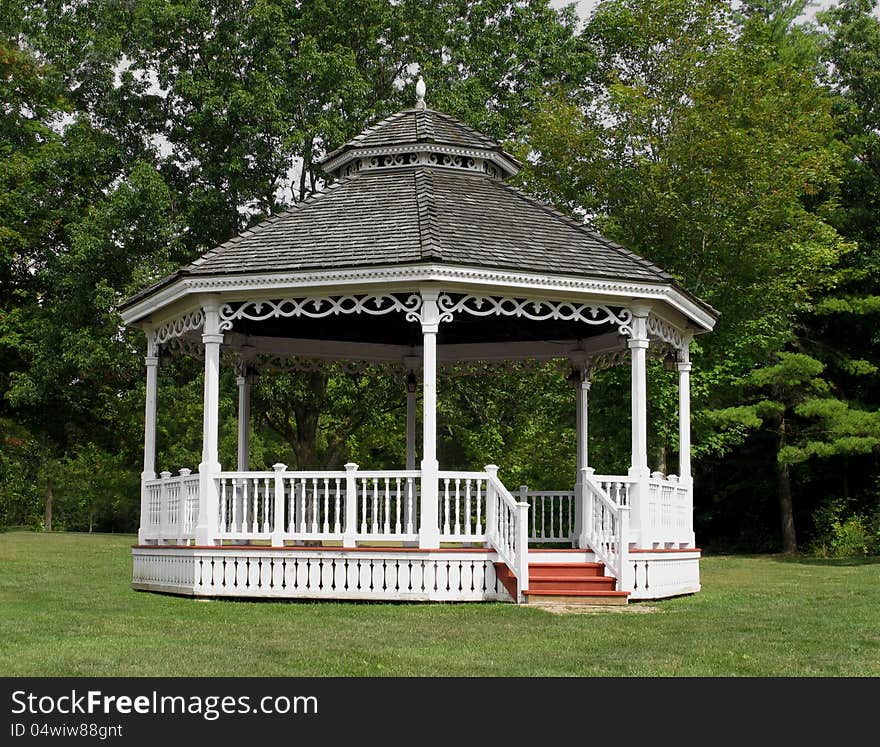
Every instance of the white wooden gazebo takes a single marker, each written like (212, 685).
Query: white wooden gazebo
(418, 258)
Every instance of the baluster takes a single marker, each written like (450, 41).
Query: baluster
(457, 506)
(255, 526)
(376, 516)
(570, 515)
(245, 508)
(467, 507)
(326, 505)
(364, 506)
(559, 527)
(410, 489)
(446, 504)
(386, 527)
(397, 507)
(291, 506)
(314, 505)
(337, 525)
(223, 525)
(479, 527)
(302, 505)
(267, 526)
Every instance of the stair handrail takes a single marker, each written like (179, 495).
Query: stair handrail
(508, 528)
(606, 525)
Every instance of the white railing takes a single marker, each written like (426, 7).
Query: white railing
(246, 504)
(461, 506)
(551, 514)
(319, 506)
(607, 528)
(617, 487)
(507, 532)
(172, 507)
(387, 507)
(670, 510)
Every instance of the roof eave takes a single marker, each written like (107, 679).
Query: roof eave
(176, 287)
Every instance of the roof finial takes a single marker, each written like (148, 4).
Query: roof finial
(420, 93)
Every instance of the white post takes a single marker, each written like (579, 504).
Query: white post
(244, 421)
(278, 508)
(209, 468)
(626, 573)
(163, 508)
(522, 548)
(411, 387)
(491, 504)
(350, 530)
(582, 385)
(149, 471)
(429, 531)
(684, 414)
(638, 345)
(684, 433)
(585, 509)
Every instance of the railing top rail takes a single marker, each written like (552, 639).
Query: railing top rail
(402, 473)
(550, 492)
(615, 478)
(246, 475)
(453, 474)
(174, 478)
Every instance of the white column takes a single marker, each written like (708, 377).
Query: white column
(684, 414)
(149, 472)
(429, 532)
(244, 421)
(411, 391)
(582, 384)
(684, 438)
(212, 338)
(638, 345)
(583, 401)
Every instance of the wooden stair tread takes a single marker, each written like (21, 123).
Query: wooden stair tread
(575, 593)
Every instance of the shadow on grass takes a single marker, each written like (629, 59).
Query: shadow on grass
(826, 562)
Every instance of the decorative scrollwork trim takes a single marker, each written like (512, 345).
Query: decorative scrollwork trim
(179, 326)
(536, 310)
(317, 308)
(664, 331)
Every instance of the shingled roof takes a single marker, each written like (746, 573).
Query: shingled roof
(438, 196)
(417, 126)
(421, 214)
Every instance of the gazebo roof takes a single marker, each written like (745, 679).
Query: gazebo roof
(422, 189)
(420, 213)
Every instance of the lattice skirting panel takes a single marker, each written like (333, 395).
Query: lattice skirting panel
(665, 574)
(319, 574)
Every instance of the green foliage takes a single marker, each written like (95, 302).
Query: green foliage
(843, 534)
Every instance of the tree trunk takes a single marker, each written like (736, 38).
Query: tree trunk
(47, 520)
(783, 489)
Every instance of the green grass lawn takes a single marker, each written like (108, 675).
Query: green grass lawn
(66, 609)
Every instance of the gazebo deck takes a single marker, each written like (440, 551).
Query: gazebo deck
(354, 535)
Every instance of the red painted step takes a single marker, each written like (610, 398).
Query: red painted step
(571, 583)
(569, 570)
